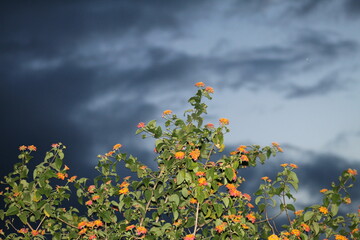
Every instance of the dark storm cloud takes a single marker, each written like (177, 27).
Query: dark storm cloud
(326, 85)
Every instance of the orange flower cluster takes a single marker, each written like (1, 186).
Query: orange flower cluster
(347, 200)
(166, 112)
(224, 121)
(199, 84)
(117, 146)
(352, 172)
(179, 155)
(273, 237)
(220, 228)
(340, 237)
(202, 181)
(72, 179)
(209, 89)
(324, 210)
(200, 174)
(267, 179)
(251, 217)
(295, 232)
(141, 125)
(83, 226)
(61, 176)
(298, 212)
(189, 237)
(305, 227)
(209, 125)
(124, 187)
(277, 145)
(323, 190)
(141, 231)
(177, 223)
(31, 148)
(193, 201)
(91, 188)
(233, 217)
(290, 165)
(195, 154)
(244, 158)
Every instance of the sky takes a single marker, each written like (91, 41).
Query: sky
(84, 73)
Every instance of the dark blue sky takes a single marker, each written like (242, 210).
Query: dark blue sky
(86, 72)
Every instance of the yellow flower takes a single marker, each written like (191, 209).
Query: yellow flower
(224, 121)
(324, 210)
(273, 237)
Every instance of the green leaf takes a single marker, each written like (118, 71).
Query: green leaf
(13, 210)
(229, 173)
(175, 198)
(290, 207)
(180, 177)
(315, 227)
(218, 209)
(147, 194)
(158, 132)
(226, 201)
(308, 216)
(334, 209)
(185, 192)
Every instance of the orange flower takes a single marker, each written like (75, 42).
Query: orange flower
(323, 190)
(251, 217)
(141, 230)
(124, 191)
(275, 144)
(209, 125)
(66, 168)
(167, 112)
(209, 89)
(129, 227)
(177, 223)
(224, 121)
(55, 145)
(22, 148)
(340, 237)
(200, 174)
(92, 237)
(284, 165)
(89, 203)
(81, 225)
(98, 223)
(230, 186)
(234, 193)
(32, 148)
(347, 200)
(82, 231)
(264, 178)
(298, 212)
(280, 149)
(220, 228)
(124, 184)
(199, 84)
(109, 154)
(141, 125)
(117, 146)
(189, 237)
(72, 179)
(95, 197)
(91, 188)
(305, 227)
(352, 172)
(61, 176)
(244, 158)
(250, 205)
(273, 237)
(247, 196)
(23, 230)
(244, 226)
(193, 201)
(143, 167)
(179, 155)
(35, 233)
(295, 232)
(293, 165)
(202, 181)
(195, 154)
(324, 210)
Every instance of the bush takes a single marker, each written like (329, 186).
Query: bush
(191, 195)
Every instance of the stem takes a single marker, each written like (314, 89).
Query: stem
(65, 222)
(42, 220)
(196, 218)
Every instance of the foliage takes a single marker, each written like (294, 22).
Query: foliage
(192, 194)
